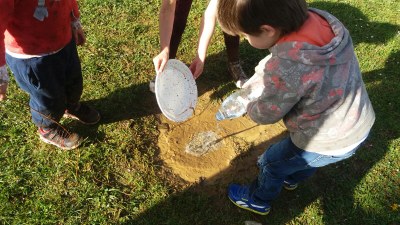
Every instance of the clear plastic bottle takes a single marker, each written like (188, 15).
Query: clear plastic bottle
(235, 105)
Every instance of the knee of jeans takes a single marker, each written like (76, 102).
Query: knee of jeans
(266, 176)
(262, 159)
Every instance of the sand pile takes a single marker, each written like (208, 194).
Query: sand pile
(203, 148)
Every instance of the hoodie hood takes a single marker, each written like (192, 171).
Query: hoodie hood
(338, 51)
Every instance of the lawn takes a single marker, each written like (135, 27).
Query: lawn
(117, 177)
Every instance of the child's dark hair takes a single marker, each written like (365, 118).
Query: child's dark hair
(247, 16)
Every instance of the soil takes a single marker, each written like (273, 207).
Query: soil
(204, 150)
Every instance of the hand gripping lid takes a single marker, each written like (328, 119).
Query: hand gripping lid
(176, 91)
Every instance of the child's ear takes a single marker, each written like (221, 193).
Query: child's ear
(270, 31)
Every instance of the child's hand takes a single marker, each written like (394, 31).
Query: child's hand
(197, 67)
(3, 91)
(78, 33)
(160, 60)
(3, 82)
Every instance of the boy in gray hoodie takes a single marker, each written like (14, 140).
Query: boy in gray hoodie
(312, 81)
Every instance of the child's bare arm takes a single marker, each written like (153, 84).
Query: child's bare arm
(166, 20)
(207, 28)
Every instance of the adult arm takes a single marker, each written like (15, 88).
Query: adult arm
(166, 20)
(207, 28)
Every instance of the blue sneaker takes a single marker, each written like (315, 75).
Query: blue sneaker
(239, 195)
(288, 186)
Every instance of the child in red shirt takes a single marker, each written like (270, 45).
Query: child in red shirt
(39, 46)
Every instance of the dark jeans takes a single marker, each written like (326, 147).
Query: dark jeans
(181, 14)
(53, 82)
(284, 161)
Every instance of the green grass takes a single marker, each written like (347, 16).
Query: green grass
(116, 177)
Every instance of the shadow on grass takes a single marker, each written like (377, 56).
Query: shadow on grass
(332, 187)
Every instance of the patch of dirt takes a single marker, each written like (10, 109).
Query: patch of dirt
(204, 149)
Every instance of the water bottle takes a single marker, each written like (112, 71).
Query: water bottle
(235, 105)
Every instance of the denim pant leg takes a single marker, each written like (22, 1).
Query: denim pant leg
(319, 161)
(300, 175)
(46, 80)
(283, 160)
(74, 79)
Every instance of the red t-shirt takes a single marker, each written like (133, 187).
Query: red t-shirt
(24, 34)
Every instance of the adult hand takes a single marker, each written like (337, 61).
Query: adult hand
(160, 60)
(78, 33)
(197, 67)
(3, 83)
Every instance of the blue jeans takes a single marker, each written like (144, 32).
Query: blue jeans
(284, 161)
(53, 82)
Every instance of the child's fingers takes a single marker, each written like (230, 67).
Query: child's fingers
(157, 65)
(196, 68)
(82, 39)
(162, 65)
(76, 38)
(3, 92)
(192, 69)
(3, 97)
(199, 71)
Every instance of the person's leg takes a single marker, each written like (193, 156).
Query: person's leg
(73, 74)
(275, 164)
(74, 87)
(182, 10)
(300, 176)
(37, 77)
(234, 66)
(232, 47)
(284, 161)
(43, 78)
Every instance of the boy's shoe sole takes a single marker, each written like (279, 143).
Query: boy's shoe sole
(289, 187)
(243, 205)
(239, 195)
(67, 115)
(94, 118)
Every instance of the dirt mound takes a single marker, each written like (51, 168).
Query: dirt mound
(202, 148)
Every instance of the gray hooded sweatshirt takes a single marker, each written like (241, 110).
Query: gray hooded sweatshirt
(318, 91)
